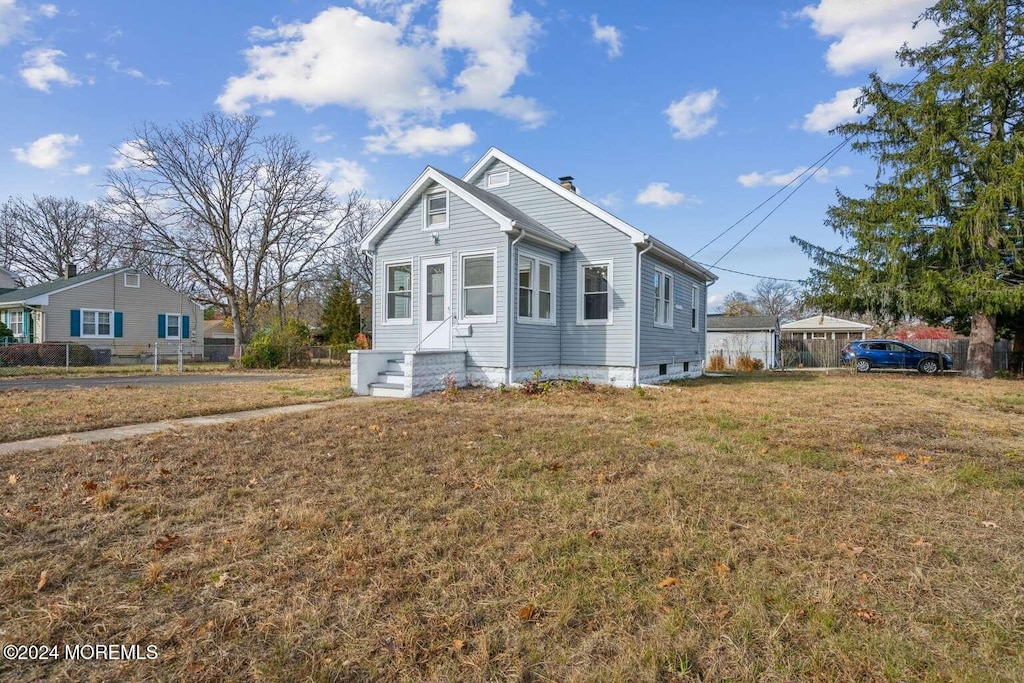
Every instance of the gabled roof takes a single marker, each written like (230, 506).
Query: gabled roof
(820, 323)
(636, 236)
(26, 294)
(741, 323)
(508, 218)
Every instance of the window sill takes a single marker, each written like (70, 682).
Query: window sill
(589, 323)
(478, 320)
(97, 336)
(665, 326)
(535, 321)
(396, 322)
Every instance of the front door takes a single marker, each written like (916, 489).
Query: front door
(435, 303)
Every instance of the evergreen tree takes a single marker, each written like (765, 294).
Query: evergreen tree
(940, 235)
(339, 321)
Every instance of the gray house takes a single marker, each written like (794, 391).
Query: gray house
(7, 281)
(488, 278)
(117, 309)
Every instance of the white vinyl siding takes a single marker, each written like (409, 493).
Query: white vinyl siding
(97, 323)
(662, 298)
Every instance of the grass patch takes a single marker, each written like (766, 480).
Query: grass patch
(867, 535)
(29, 413)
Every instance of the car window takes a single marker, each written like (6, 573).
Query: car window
(897, 348)
(876, 346)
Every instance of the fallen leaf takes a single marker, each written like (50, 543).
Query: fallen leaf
(458, 644)
(764, 451)
(43, 578)
(652, 444)
(162, 545)
(868, 615)
(594, 533)
(12, 479)
(721, 568)
(90, 485)
(851, 551)
(990, 525)
(722, 613)
(668, 582)
(475, 486)
(920, 544)
(900, 457)
(924, 459)
(527, 612)
(220, 580)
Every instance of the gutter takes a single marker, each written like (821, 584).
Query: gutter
(510, 336)
(636, 312)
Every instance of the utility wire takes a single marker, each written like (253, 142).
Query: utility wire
(740, 272)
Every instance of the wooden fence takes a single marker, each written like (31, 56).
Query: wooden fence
(828, 353)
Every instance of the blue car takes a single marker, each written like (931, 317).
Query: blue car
(893, 355)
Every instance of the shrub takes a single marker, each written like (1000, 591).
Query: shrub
(747, 364)
(5, 332)
(19, 355)
(362, 342)
(717, 362)
(265, 351)
(533, 385)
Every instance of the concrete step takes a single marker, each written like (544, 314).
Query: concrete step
(395, 364)
(391, 373)
(387, 389)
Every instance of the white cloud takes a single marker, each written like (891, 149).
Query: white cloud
(611, 200)
(775, 178)
(421, 140)
(658, 194)
(40, 69)
(866, 34)
(130, 153)
(827, 115)
(116, 66)
(49, 11)
(48, 152)
(693, 115)
(14, 20)
(322, 133)
(82, 169)
(394, 66)
(344, 175)
(609, 36)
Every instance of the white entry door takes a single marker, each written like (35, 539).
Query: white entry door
(435, 303)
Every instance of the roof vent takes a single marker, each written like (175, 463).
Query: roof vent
(566, 182)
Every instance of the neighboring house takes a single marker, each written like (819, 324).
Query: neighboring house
(756, 336)
(824, 327)
(117, 309)
(487, 278)
(7, 281)
(218, 331)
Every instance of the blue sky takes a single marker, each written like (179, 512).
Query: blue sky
(677, 116)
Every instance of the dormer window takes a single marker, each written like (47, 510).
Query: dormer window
(436, 210)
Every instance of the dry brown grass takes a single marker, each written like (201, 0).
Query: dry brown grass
(25, 414)
(848, 528)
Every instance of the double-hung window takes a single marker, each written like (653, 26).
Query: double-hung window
(97, 324)
(399, 286)
(436, 210)
(662, 298)
(694, 304)
(536, 289)
(594, 303)
(478, 286)
(16, 322)
(173, 329)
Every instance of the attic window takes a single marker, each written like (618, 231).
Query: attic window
(497, 179)
(436, 210)
(132, 280)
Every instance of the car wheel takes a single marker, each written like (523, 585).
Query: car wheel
(863, 365)
(928, 366)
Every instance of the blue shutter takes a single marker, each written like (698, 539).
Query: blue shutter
(118, 324)
(161, 326)
(76, 323)
(184, 327)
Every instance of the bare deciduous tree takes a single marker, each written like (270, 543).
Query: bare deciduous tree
(224, 200)
(777, 299)
(44, 235)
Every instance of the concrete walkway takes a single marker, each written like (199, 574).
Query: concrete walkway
(131, 431)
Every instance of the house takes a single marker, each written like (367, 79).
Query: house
(824, 327)
(491, 277)
(756, 336)
(118, 309)
(219, 330)
(7, 281)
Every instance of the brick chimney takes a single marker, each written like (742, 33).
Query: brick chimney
(70, 271)
(566, 182)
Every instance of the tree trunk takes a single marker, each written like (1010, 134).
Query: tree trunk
(980, 346)
(236, 324)
(1017, 353)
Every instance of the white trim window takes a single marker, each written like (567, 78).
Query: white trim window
(132, 280)
(477, 275)
(536, 290)
(96, 323)
(594, 294)
(435, 210)
(497, 179)
(398, 302)
(16, 322)
(662, 298)
(694, 307)
(172, 326)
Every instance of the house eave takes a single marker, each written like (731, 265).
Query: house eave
(530, 236)
(676, 258)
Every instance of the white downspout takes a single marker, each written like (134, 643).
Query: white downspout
(372, 255)
(637, 299)
(510, 320)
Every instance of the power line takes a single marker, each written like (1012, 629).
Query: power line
(740, 272)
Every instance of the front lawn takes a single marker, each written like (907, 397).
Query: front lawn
(765, 528)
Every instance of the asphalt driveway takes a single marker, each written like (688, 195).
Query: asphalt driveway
(134, 380)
